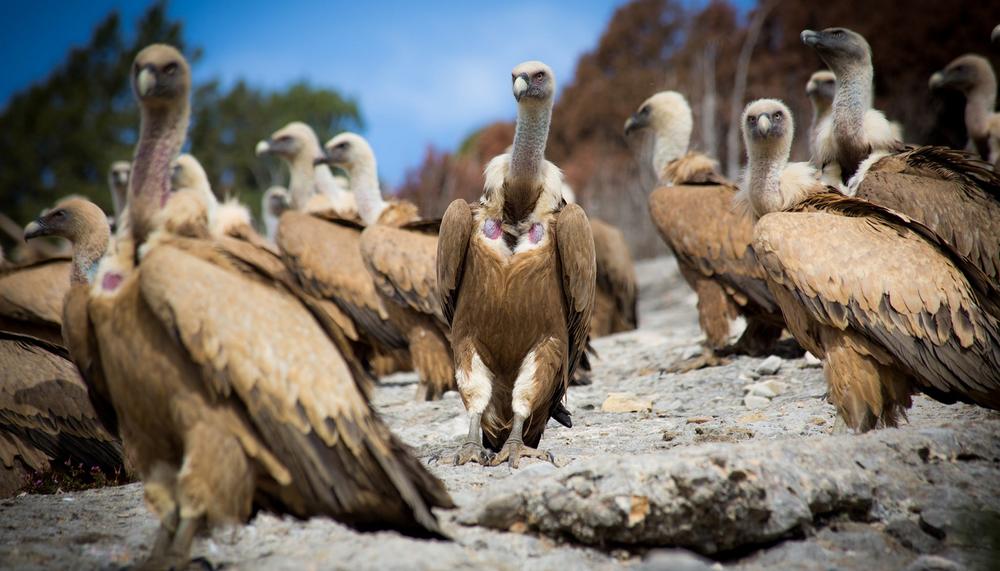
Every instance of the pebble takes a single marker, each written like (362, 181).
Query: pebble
(770, 366)
(767, 389)
(754, 402)
(626, 402)
(812, 360)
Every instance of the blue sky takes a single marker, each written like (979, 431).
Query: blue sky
(424, 73)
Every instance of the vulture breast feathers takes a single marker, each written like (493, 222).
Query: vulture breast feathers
(938, 323)
(954, 194)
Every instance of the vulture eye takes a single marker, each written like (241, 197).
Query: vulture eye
(778, 115)
(751, 119)
(342, 146)
(540, 75)
(644, 110)
(284, 138)
(170, 68)
(838, 33)
(59, 213)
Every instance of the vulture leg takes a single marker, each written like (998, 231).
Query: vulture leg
(708, 358)
(472, 449)
(514, 448)
(475, 384)
(757, 340)
(431, 356)
(714, 312)
(866, 392)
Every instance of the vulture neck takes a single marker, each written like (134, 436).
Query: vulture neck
(851, 102)
(764, 179)
(525, 177)
(302, 185)
(161, 136)
(87, 253)
(671, 144)
(119, 193)
(979, 104)
(367, 194)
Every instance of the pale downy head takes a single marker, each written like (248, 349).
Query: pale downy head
(348, 151)
(666, 112)
(821, 87)
(160, 77)
(275, 201)
(188, 173)
(292, 142)
(118, 175)
(995, 36)
(768, 129)
(73, 218)
(533, 83)
(841, 49)
(966, 73)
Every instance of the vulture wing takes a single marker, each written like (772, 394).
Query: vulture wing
(575, 249)
(80, 340)
(932, 320)
(33, 295)
(403, 264)
(336, 452)
(615, 270)
(453, 243)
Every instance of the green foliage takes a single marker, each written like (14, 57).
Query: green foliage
(60, 136)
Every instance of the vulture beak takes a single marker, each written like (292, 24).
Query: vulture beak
(634, 123)
(995, 36)
(324, 160)
(810, 38)
(936, 80)
(33, 230)
(121, 178)
(262, 148)
(145, 82)
(763, 125)
(520, 86)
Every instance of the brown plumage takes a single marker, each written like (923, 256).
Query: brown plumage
(617, 290)
(516, 275)
(710, 238)
(31, 297)
(399, 251)
(973, 76)
(45, 415)
(843, 271)
(233, 405)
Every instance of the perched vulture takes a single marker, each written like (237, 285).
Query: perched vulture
(820, 89)
(887, 304)
(399, 251)
(973, 75)
(229, 389)
(950, 192)
(274, 203)
(516, 275)
(694, 212)
(31, 297)
(311, 187)
(118, 183)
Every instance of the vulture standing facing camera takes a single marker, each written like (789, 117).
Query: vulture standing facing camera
(227, 407)
(974, 77)
(118, 183)
(820, 89)
(516, 275)
(957, 196)
(889, 306)
(694, 213)
(399, 251)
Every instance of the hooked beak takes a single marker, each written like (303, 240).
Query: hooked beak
(763, 125)
(262, 148)
(937, 79)
(634, 123)
(520, 87)
(324, 160)
(145, 82)
(33, 230)
(810, 38)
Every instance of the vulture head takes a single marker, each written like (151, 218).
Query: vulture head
(666, 112)
(965, 73)
(291, 142)
(821, 87)
(995, 36)
(348, 151)
(533, 83)
(841, 49)
(276, 201)
(118, 175)
(188, 173)
(73, 218)
(768, 128)
(160, 76)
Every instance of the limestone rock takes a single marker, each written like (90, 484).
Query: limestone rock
(626, 402)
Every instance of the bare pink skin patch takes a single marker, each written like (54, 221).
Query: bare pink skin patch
(111, 281)
(536, 232)
(492, 229)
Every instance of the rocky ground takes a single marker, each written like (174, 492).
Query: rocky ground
(660, 471)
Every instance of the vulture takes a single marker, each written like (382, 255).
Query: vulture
(516, 275)
(118, 183)
(46, 417)
(951, 192)
(617, 286)
(31, 297)
(399, 251)
(995, 35)
(694, 212)
(887, 304)
(228, 388)
(820, 89)
(973, 76)
(273, 204)
(311, 187)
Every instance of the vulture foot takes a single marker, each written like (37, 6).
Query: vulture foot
(472, 452)
(707, 359)
(514, 449)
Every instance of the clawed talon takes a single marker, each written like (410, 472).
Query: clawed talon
(706, 359)
(472, 452)
(513, 450)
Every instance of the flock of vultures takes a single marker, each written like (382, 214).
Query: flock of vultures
(230, 371)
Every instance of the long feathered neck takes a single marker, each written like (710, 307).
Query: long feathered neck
(530, 136)
(979, 104)
(671, 143)
(763, 178)
(87, 253)
(364, 185)
(851, 102)
(302, 184)
(119, 195)
(161, 136)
